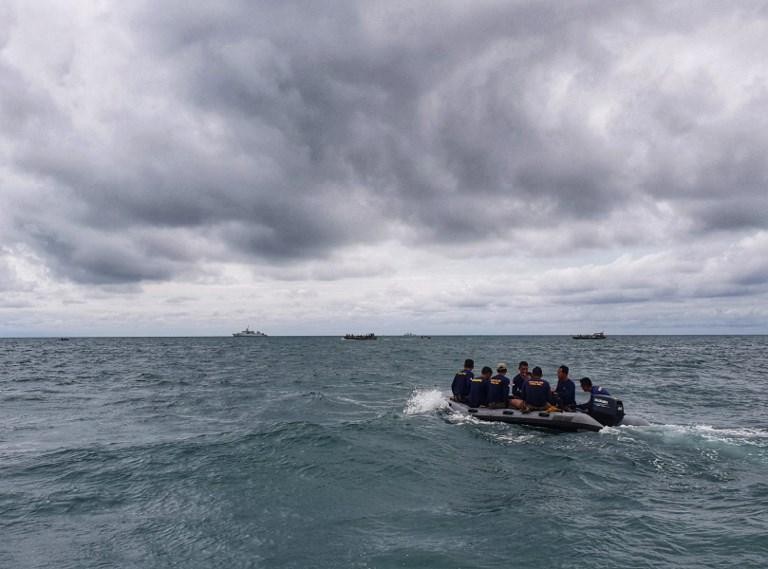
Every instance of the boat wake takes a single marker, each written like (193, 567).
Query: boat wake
(745, 442)
(425, 401)
(708, 433)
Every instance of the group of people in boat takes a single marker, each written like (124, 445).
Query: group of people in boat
(528, 391)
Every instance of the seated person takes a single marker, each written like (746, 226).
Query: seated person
(537, 394)
(586, 385)
(460, 384)
(519, 380)
(498, 388)
(565, 391)
(478, 388)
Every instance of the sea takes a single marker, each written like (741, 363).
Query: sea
(315, 452)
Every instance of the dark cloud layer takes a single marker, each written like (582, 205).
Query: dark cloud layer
(281, 131)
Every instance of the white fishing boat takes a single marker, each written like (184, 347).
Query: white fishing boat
(247, 333)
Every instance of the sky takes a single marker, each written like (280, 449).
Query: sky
(438, 167)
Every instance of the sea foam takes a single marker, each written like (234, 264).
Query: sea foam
(425, 401)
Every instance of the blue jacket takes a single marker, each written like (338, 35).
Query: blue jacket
(565, 393)
(478, 391)
(460, 385)
(498, 389)
(517, 386)
(536, 392)
(596, 390)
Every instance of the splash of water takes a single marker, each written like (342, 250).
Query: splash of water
(425, 401)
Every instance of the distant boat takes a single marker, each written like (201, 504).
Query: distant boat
(593, 336)
(409, 335)
(249, 334)
(370, 336)
(63, 339)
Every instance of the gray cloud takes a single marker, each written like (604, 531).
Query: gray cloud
(8, 279)
(20, 103)
(285, 131)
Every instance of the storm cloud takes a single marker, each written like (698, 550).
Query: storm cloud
(155, 143)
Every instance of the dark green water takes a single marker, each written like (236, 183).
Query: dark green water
(315, 452)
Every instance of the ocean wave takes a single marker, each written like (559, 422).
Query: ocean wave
(292, 454)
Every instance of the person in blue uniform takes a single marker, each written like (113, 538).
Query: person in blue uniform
(478, 388)
(498, 388)
(537, 394)
(586, 385)
(460, 384)
(520, 379)
(565, 390)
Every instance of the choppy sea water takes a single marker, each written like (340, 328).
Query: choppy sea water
(316, 452)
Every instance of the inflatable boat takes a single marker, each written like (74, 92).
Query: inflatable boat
(606, 411)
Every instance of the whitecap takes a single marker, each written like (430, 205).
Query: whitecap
(425, 401)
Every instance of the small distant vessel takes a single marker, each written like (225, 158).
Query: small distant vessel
(409, 335)
(247, 333)
(370, 336)
(593, 336)
(63, 339)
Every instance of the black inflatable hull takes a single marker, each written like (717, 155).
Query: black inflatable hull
(559, 421)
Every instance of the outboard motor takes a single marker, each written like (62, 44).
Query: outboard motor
(607, 410)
